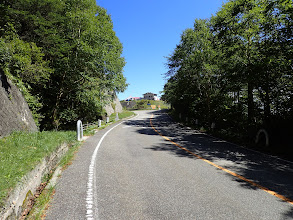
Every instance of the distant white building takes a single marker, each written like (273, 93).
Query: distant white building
(150, 96)
(130, 98)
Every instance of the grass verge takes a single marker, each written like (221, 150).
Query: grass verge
(91, 130)
(125, 114)
(21, 152)
(42, 203)
(144, 104)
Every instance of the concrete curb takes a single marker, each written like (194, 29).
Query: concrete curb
(54, 178)
(17, 200)
(27, 187)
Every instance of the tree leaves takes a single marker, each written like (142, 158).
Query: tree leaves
(237, 64)
(74, 42)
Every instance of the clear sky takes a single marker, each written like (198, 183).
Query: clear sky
(149, 31)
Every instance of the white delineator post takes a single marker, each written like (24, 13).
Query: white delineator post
(79, 130)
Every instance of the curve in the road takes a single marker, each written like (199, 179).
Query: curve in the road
(90, 214)
(90, 184)
(224, 169)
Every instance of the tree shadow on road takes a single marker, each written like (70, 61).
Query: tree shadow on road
(267, 171)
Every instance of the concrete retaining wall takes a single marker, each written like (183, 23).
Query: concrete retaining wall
(15, 204)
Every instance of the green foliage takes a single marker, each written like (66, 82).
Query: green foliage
(237, 65)
(41, 204)
(21, 152)
(141, 104)
(68, 56)
(194, 85)
(92, 128)
(125, 114)
(146, 104)
(113, 106)
(23, 63)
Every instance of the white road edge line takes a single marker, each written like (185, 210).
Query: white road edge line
(90, 202)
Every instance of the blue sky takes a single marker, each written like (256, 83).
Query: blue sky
(149, 31)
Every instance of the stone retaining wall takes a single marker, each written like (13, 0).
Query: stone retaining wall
(115, 106)
(15, 204)
(15, 114)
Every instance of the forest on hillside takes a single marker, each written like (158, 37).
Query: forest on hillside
(63, 55)
(235, 70)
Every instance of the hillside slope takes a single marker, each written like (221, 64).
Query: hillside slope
(15, 114)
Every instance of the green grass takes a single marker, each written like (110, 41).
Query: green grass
(162, 104)
(41, 204)
(43, 201)
(121, 115)
(91, 130)
(21, 152)
(125, 114)
(143, 104)
(69, 155)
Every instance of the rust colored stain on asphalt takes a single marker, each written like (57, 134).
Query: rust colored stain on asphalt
(224, 169)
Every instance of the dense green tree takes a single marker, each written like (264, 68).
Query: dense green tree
(23, 63)
(254, 40)
(237, 65)
(276, 60)
(194, 84)
(78, 42)
(237, 28)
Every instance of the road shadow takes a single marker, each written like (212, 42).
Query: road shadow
(267, 171)
(142, 125)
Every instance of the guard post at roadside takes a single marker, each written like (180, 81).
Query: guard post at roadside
(79, 130)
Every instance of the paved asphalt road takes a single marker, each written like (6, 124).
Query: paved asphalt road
(128, 171)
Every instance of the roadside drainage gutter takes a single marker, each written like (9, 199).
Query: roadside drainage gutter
(17, 200)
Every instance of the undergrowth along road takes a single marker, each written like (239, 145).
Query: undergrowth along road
(20, 152)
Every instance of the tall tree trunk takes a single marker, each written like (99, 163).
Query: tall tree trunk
(56, 118)
(267, 108)
(250, 102)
